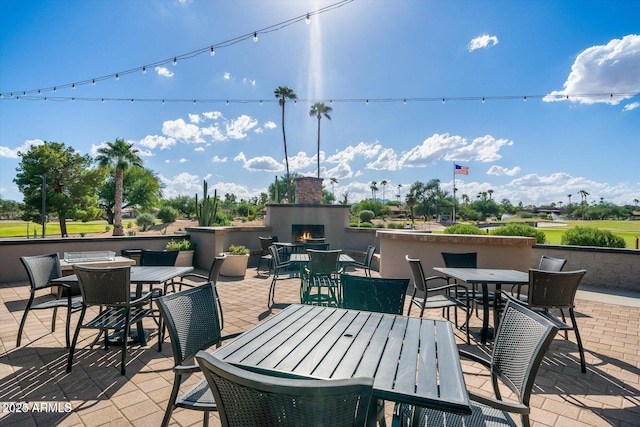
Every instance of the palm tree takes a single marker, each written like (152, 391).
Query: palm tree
(399, 195)
(411, 202)
(333, 181)
(120, 155)
(318, 110)
(384, 183)
(490, 191)
(636, 201)
(569, 197)
(373, 188)
(583, 195)
(283, 93)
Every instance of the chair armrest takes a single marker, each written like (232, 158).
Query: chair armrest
(514, 299)
(501, 405)
(475, 358)
(446, 287)
(196, 275)
(229, 336)
(143, 299)
(186, 369)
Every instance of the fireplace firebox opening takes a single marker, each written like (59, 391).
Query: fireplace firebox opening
(301, 232)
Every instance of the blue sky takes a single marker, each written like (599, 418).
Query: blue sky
(536, 151)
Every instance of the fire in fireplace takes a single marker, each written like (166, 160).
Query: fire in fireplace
(301, 232)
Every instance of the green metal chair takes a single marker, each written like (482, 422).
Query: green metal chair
(321, 273)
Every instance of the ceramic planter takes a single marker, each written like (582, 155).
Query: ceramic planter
(185, 259)
(234, 265)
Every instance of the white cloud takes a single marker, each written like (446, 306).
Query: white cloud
(258, 130)
(363, 149)
(153, 141)
(198, 149)
(241, 191)
(482, 149)
(214, 132)
(387, 160)
(341, 171)
(213, 115)
(180, 184)
(499, 171)
(632, 106)
(302, 160)
(164, 72)
(270, 125)
(24, 148)
(432, 149)
(227, 76)
(482, 42)
(603, 69)
(249, 81)
(259, 164)
(237, 128)
(217, 159)
(194, 118)
(182, 131)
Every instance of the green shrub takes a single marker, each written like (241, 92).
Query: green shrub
(520, 230)
(378, 226)
(238, 250)
(353, 224)
(145, 221)
(366, 225)
(366, 215)
(167, 214)
(180, 245)
(463, 229)
(591, 236)
(396, 225)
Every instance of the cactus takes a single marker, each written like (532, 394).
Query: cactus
(207, 210)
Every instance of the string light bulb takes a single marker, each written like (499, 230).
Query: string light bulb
(255, 37)
(212, 52)
(175, 61)
(117, 77)
(367, 102)
(404, 101)
(73, 86)
(227, 102)
(54, 90)
(38, 91)
(93, 82)
(163, 102)
(483, 99)
(524, 98)
(443, 100)
(144, 70)
(307, 19)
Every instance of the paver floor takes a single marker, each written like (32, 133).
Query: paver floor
(33, 376)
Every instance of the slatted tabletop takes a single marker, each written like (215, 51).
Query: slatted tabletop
(412, 360)
(302, 258)
(142, 275)
(485, 277)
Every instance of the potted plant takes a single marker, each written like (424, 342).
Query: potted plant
(235, 265)
(186, 248)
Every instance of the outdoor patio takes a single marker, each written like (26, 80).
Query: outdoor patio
(607, 395)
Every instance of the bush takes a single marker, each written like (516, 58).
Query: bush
(366, 225)
(167, 214)
(180, 245)
(353, 224)
(238, 250)
(145, 221)
(463, 229)
(591, 236)
(366, 215)
(520, 230)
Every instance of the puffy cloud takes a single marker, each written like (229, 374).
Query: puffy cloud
(387, 160)
(198, 149)
(482, 149)
(341, 171)
(631, 106)
(227, 76)
(24, 148)
(261, 163)
(217, 159)
(154, 141)
(611, 68)
(499, 171)
(182, 131)
(482, 42)
(164, 72)
(363, 149)
(236, 129)
(432, 149)
(183, 160)
(213, 115)
(194, 118)
(270, 125)
(241, 191)
(214, 132)
(180, 184)
(302, 160)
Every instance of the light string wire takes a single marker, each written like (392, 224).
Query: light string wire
(405, 100)
(175, 58)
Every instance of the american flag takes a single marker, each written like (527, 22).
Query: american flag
(461, 170)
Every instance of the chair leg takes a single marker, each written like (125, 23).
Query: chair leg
(172, 400)
(75, 340)
(125, 339)
(68, 326)
(583, 366)
(205, 419)
(24, 319)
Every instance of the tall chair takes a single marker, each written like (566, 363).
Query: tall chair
(41, 269)
(265, 242)
(322, 272)
(555, 289)
(191, 317)
(442, 297)
(109, 290)
(280, 271)
(366, 263)
(250, 399)
(158, 258)
(547, 263)
(521, 342)
(377, 294)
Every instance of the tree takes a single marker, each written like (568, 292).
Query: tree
(119, 155)
(333, 181)
(384, 183)
(279, 187)
(283, 93)
(70, 183)
(373, 188)
(185, 205)
(490, 192)
(141, 189)
(411, 202)
(318, 110)
(399, 195)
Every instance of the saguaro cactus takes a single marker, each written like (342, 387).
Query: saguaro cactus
(207, 209)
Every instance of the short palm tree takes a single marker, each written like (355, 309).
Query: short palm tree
(318, 110)
(120, 155)
(283, 93)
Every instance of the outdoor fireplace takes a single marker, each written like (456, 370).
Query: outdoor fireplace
(301, 232)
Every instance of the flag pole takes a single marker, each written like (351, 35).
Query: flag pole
(454, 192)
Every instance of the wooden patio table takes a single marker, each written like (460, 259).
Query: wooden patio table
(485, 277)
(412, 360)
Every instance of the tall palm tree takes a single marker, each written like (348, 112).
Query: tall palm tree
(569, 197)
(399, 195)
(373, 188)
(120, 155)
(333, 181)
(384, 183)
(283, 93)
(490, 191)
(318, 110)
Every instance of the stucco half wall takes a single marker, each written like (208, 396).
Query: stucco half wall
(493, 251)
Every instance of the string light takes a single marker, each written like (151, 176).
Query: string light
(483, 99)
(255, 37)
(93, 82)
(175, 61)
(73, 86)
(404, 101)
(117, 77)
(307, 19)
(443, 101)
(213, 51)
(144, 70)
(524, 98)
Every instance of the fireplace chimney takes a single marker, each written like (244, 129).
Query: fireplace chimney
(308, 190)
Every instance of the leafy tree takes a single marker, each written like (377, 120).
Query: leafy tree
(119, 155)
(10, 209)
(327, 197)
(283, 93)
(141, 189)
(185, 205)
(366, 215)
(70, 183)
(282, 187)
(318, 110)
(429, 197)
(167, 214)
(145, 221)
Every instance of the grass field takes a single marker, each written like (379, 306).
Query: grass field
(20, 228)
(628, 230)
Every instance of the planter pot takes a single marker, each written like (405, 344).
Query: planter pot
(185, 259)
(234, 265)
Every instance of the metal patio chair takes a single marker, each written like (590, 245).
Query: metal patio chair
(547, 263)
(366, 263)
(281, 270)
(322, 272)
(521, 342)
(265, 242)
(250, 399)
(191, 317)
(41, 269)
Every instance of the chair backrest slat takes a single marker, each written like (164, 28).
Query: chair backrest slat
(214, 271)
(417, 272)
(460, 260)
(553, 289)
(323, 262)
(377, 294)
(549, 263)
(41, 269)
(104, 285)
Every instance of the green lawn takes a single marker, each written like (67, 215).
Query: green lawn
(628, 230)
(19, 228)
